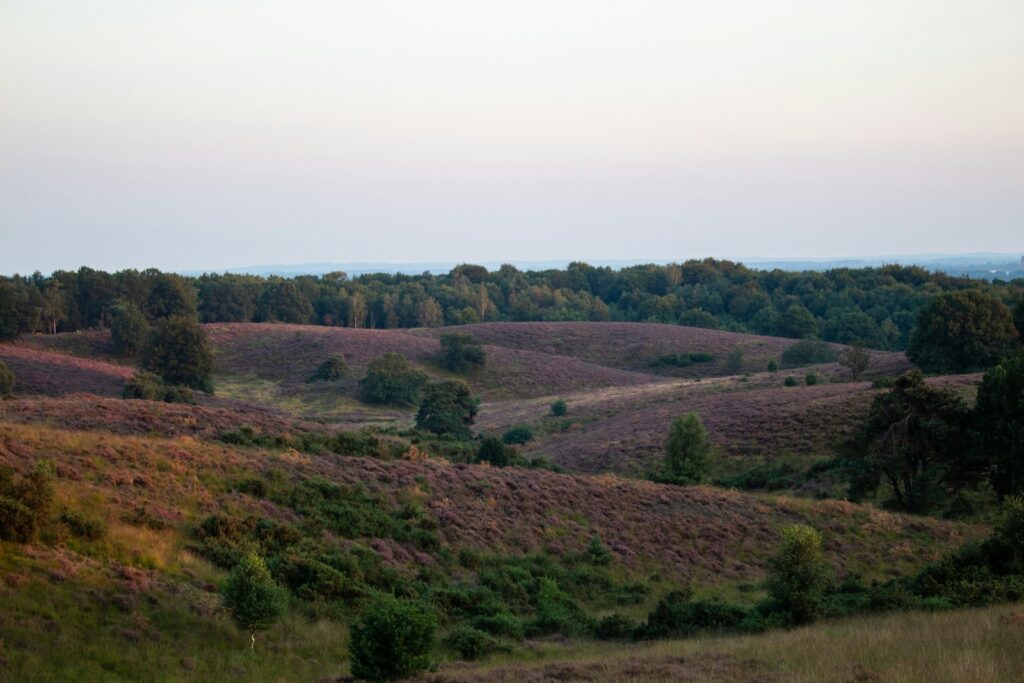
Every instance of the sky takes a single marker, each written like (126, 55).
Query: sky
(217, 133)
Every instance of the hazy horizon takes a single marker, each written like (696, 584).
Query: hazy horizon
(197, 136)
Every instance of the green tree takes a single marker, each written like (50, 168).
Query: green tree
(808, 352)
(252, 597)
(282, 301)
(1018, 317)
(331, 370)
(797, 322)
(999, 415)
(798, 574)
(855, 359)
(461, 353)
(169, 295)
(961, 332)
(519, 434)
(688, 451)
(391, 380)
(179, 352)
(495, 452)
(394, 639)
(6, 380)
(559, 408)
(129, 329)
(916, 439)
(448, 409)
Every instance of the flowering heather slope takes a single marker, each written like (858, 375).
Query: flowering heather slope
(633, 346)
(699, 533)
(55, 373)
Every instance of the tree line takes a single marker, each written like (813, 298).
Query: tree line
(877, 307)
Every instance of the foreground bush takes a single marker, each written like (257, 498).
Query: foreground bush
(25, 502)
(798, 575)
(149, 387)
(393, 639)
(251, 595)
(448, 409)
(6, 380)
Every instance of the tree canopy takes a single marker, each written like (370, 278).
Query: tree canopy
(962, 332)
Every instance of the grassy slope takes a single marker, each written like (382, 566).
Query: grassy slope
(977, 645)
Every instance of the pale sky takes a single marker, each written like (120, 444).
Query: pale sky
(220, 133)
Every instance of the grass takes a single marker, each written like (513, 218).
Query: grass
(977, 645)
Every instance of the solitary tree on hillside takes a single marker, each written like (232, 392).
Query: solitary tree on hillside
(915, 440)
(856, 359)
(999, 414)
(460, 352)
(961, 332)
(391, 380)
(798, 574)
(251, 595)
(129, 329)
(688, 451)
(448, 409)
(179, 352)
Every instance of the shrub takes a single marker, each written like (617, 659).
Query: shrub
(688, 451)
(798, 574)
(773, 365)
(596, 553)
(25, 502)
(734, 361)
(682, 360)
(616, 627)
(82, 525)
(471, 643)
(129, 329)
(677, 614)
(251, 595)
(808, 352)
(179, 352)
(393, 640)
(559, 408)
(557, 612)
(811, 378)
(331, 370)
(789, 382)
(6, 380)
(392, 381)
(495, 452)
(149, 387)
(448, 409)
(884, 382)
(461, 353)
(518, 435)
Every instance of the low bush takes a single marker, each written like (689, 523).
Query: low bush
(808, 352)
(519, 434)
(472, 643)
(559, 408)
(393, 639)
(82, 525)
(789, 382)
(6, 380)
(25, 501)
(331, 370)
(810, 379)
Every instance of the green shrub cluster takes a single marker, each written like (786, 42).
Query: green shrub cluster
(331, 370)
(682, 360)
(808, 352)
(148, 386)
(25, 502)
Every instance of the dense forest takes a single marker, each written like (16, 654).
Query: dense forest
(876, 307)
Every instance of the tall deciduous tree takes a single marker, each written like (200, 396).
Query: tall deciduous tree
(251, 595)
(798, 574)
(179, 352)
(129, 329)
(1000, 421)
(448, 409)
(688, 451)
(961, 332)
(916, 439)
(461, 353)
(391, 380)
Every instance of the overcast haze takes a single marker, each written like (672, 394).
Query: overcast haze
(191, 135)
